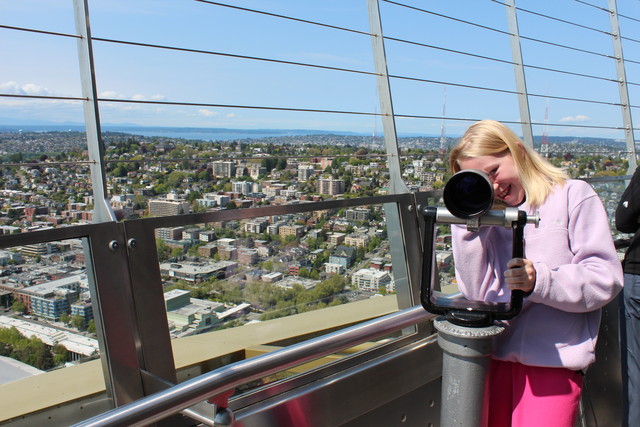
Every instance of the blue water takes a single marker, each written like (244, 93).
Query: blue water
(208, 136)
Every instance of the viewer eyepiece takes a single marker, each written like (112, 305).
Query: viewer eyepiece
(468, 194)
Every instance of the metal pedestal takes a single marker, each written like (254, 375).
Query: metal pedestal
(465, 363)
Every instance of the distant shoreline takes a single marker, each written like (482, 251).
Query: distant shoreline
(229, 134)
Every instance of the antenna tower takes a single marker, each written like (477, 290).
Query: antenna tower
(442, 127)
(544, 146)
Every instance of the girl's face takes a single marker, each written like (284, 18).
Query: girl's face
(503, 174)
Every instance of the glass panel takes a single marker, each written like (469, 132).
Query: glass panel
(46, 315)
(41, 119)
(271, 278)
(244, 271)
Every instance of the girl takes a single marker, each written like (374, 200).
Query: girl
(569, 272)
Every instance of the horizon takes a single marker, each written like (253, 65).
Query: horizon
(164, 131)
(316, 76)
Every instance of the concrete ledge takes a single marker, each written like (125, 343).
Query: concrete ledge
(193, 356)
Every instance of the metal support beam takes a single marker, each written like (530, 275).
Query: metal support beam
(102, 211)
(110, 289)
(396, 184)
(521, 82)
(623, 87)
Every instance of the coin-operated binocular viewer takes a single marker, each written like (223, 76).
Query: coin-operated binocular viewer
(467, 328)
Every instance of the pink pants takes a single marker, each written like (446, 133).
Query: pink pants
(531, 396)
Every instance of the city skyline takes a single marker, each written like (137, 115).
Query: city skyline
(208, 69)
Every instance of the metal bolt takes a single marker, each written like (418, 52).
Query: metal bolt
(114, 245)
(132, 243)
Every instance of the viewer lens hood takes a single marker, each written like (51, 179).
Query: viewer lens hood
(468, 194)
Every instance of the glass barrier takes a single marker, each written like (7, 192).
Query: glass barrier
(276, 279)
(46, 316)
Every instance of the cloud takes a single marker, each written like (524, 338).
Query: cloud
(112, 95)
(27, 89)
(135, 97)
(578, 118)
(207, 113)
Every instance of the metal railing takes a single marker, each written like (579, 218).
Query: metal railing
(159, 405)
(117, 252)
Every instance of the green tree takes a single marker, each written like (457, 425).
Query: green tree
(60, 354)
(163, 250)
(176, 253)
(303, 272)
(65, 318)
(268, 265)
(77, 322)
(13, 214)
(18, 306)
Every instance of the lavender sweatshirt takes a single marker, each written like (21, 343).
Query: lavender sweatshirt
(577, 273)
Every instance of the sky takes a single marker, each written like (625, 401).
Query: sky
(433, 60)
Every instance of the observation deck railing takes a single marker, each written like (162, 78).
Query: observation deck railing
(138, 358)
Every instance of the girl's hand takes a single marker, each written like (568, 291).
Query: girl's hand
(520, 275)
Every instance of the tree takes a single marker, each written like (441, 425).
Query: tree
(60, 354)
(163, 250)
(13, 214)
(176, 253)
(65, 318)
(18, 306)
(91, 326)
(31, 351)
(77, 322)
(303, 272)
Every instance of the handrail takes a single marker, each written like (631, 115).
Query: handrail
(159, 405)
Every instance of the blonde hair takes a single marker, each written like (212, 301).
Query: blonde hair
(489, 137)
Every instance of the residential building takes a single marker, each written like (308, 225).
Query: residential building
(291, 230)
(305, 172)
(166, 207)
(357, 240)
(198, 271)
(357, 214)
(169, 233)
(223, 169)
(369, 279)
(330, 186)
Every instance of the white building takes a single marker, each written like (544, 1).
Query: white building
(369, 279)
